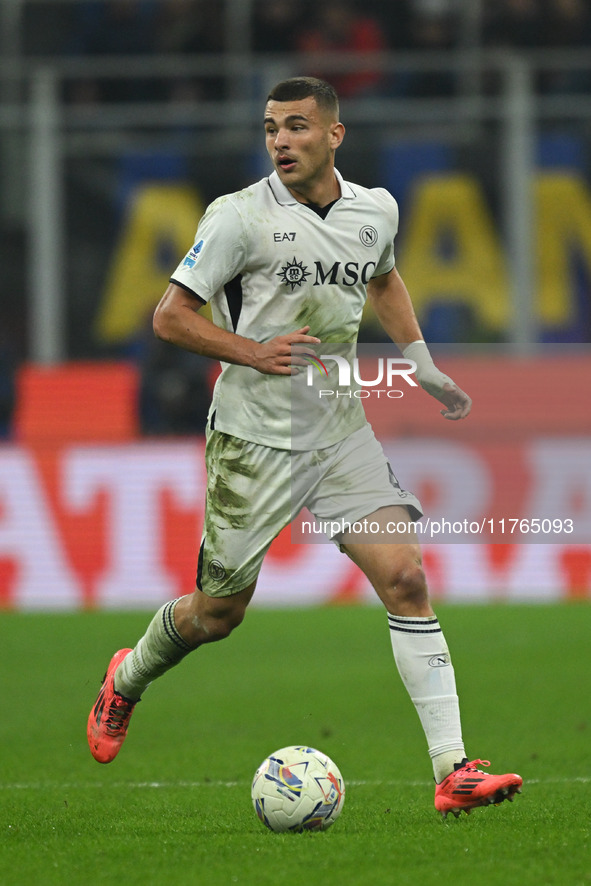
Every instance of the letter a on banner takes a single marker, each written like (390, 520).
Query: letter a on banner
(451, 250)
(161, 222)
(29, 538)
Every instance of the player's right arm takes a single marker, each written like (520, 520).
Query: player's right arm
(176, 320)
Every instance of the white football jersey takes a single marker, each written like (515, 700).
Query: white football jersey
(270, 265)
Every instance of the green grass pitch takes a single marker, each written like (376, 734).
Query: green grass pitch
(174, 807)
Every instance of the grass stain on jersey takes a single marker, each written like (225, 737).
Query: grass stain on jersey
(325, 322)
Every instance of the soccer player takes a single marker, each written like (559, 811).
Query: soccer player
(287, 264)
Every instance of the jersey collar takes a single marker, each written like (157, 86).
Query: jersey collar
(285, 198)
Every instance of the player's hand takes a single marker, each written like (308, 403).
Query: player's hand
(458, 404)
(280, 357)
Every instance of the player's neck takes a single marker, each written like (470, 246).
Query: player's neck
(320, 193)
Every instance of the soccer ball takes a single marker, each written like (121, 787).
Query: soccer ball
(298, 789)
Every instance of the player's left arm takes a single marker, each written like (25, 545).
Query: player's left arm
(391, 301)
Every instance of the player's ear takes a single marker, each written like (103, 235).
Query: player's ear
(337, 134)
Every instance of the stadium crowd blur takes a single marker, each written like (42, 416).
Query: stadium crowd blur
(139, 27)
(175, 389)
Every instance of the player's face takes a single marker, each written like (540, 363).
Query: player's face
(301, 140)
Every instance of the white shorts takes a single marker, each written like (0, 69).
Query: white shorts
(254, 491)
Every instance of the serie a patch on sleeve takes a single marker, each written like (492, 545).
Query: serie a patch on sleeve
(193, 255)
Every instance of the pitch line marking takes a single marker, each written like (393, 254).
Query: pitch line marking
(163, 785)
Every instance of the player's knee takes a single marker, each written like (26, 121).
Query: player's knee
(217, 624)
(220, 626)
(408, 588)
(208, 620)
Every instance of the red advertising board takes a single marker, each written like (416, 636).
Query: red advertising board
(91, 515)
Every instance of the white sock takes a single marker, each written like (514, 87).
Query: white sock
(424, 664)
(160, 649)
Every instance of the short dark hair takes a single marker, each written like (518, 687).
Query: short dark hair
(297, 88)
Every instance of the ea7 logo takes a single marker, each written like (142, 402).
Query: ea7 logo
(280, 236)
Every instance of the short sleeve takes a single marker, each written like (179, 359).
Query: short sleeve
(390, 207)
(218, 253)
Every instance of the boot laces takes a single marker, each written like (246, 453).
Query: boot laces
(119, 713)
(473, 764)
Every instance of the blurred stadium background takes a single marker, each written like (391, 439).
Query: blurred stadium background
(121, 119)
